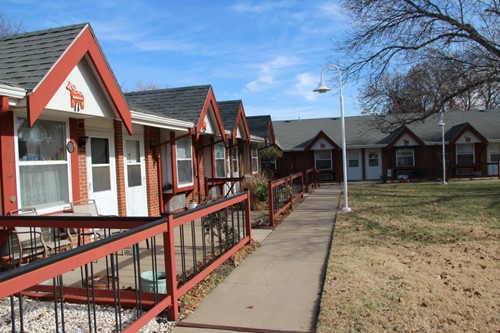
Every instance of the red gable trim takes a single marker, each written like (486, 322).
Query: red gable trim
(210, 101)
(321, 134)
(241, 117)
(85, 44)
(4, 104)
(405, 130)
(465, 128)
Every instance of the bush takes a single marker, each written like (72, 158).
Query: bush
(257, 184)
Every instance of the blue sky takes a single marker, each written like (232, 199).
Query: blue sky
(267, 53)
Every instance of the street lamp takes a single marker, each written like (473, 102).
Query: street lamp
(441, 123)
(323, 88)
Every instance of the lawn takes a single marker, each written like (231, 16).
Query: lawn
(415, 258)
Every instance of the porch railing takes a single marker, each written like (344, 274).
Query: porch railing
(283, 193)
(225, 186)
(137, 281)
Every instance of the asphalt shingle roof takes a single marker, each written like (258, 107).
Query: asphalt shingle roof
(362, 130)
(229, 112)
(26, 58)
(257, 125)
(184, 103)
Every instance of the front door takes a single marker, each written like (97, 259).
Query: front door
(354, 170)
(493, 157)
(135, 177)
(373, 164)
(101, 174)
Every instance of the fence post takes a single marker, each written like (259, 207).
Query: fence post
(270, 200)
(305, 174)
(302, 185)
(171, 273)
(291, 191)
(248, 217)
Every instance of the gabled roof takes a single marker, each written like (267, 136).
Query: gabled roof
(321, 135)
(40, 61)
(393, 138)
(233, 114)
(184, 103)
(26, 58)
(259, 125)
(362, 131)
(454, 133)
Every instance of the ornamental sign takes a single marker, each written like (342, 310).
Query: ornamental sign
(77, 100)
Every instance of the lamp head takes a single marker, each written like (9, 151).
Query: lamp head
(322, 87)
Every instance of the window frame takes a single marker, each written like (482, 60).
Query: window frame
(316, 159)
(222, 159)
(254, 152)
(46, 207)
(178, 159)
(398, 150)
(457, 154)
(235, 159)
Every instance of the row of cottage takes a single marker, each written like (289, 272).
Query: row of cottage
(68, 132)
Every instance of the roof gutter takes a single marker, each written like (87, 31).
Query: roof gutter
(160, 122)
(12, 92)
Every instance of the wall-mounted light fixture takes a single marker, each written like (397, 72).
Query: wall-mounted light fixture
(82, 140)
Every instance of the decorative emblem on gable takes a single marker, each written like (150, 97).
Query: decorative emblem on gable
(204, 126)
(406, 142)
(467, 139)
(76, 97)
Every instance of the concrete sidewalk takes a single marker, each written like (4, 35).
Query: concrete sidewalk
(278, 287)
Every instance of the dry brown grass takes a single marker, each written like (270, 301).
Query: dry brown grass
(416, 258)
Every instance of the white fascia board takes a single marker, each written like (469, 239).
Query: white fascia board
(254, 138)
(160, 122)
(374, 146)
(493, 140)
(12, 92)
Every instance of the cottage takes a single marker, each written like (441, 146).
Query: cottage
(472, 141)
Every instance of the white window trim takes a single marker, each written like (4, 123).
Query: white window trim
(413, 157)
(254, 157)
(177, 159)
(473, 152)
(235, 158)
(323, 159)
(220, 144)
(19, 163)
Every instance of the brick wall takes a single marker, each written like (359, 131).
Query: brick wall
(82, 162)
(120, 169)
(152, 135)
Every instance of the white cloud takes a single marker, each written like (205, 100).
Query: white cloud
(269, 71)
(304, 85)
(257, 8)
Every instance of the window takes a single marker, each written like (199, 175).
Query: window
(353, 159)
(43, 165)
(405, 157)
(134, 177)
(373, 159)
(323, 159)
(220, 170)
(465, 153)
(101, 168)
(184, 162)
(235, 160)
(255, 159)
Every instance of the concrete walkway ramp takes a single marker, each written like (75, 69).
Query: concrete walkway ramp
(278, 287)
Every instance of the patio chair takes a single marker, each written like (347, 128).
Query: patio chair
(25, 243)
(89, 207)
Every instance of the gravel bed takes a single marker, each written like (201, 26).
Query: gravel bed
(39, 316)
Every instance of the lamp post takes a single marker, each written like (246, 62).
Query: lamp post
(323, 88)
(441, 123)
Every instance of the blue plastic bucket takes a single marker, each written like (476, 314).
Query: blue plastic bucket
(149, 279)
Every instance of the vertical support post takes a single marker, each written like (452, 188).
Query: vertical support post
(171, 273)
(305, 174)
(291, 192)
(248, 218)
(302, 185)
(270, 200)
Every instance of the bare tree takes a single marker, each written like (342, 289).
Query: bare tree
(140, 86)
(398, 39)
(9, 27)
